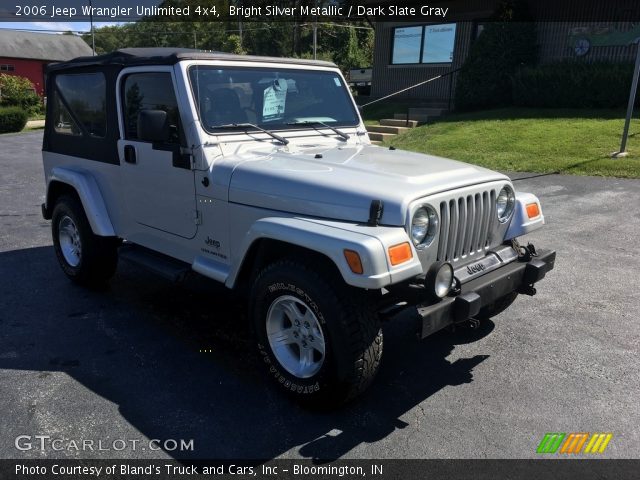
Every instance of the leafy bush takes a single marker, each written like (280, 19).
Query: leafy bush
(12, 119)
(19, 91)
(573, 85)
(506, 43)
(233, 44)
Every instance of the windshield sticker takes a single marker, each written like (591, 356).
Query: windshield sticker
(274, 100)
(337, 80)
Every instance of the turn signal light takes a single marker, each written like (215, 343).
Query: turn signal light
(354, 262)
(533, 210)
(400, 253)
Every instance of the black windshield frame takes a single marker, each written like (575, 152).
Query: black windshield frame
(353, 119)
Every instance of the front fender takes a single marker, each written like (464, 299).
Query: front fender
(331, 239)
(88, 191)
(521, 224)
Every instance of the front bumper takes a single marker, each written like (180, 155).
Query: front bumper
(517, 276)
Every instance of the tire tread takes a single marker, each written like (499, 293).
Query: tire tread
(99, 254)
(357, 319)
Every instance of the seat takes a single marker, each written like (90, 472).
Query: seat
(225, 108)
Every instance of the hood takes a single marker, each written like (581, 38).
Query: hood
(340, 182)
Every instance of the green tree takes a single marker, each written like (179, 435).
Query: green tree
(19, 91)
(349, 53)
(232, 45)
(348, 47)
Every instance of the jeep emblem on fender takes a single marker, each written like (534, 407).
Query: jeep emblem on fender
(212, 243)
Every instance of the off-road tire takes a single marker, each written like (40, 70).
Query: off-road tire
(99, 255)
(352, 333)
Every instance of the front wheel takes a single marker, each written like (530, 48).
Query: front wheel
(319, 338)
(85, 258)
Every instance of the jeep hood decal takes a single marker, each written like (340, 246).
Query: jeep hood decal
(341, 182)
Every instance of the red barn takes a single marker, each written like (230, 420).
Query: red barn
(26, 53)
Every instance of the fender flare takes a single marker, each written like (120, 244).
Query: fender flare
(329, 241)
(521, 224)
(90, 196)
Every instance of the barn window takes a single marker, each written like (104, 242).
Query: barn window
(7, 68)
(423, 44)
(80, 104)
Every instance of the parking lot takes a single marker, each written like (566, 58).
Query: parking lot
(128, 362)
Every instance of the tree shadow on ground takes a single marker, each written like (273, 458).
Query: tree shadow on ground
(179, 363)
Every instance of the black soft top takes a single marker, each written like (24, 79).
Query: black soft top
(127, 57)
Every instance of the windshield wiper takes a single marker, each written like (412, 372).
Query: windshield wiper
(282, 140)
(314, 122)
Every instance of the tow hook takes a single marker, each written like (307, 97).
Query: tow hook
(527, 290)
(525, 254)
(474, 323)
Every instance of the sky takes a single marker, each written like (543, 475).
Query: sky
(55, 26)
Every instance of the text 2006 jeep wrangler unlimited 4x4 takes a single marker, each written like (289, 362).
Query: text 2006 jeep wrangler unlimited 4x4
(258, 173)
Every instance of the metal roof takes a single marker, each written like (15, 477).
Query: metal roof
(169, 56)
(41, 46)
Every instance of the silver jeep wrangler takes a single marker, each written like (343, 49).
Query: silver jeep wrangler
(258, 173)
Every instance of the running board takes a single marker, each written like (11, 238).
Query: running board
(162, 265)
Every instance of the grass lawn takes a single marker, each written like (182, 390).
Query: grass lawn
(384, 109)
(532, 140)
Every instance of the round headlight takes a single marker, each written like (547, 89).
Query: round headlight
(505, 203)
(444, 279)
(439, 280)
(424, 226)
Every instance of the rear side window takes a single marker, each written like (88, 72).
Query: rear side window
(150, 91)
(80, 104)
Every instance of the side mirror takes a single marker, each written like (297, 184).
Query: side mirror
(153, 126)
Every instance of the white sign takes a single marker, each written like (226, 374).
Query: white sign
(274, 99)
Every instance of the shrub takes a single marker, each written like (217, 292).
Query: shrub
(12, 119)
(19, 91)
(573, 85)
(505, 44)
(233, 44)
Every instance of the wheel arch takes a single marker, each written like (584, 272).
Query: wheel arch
(63, 181)
(264, 251)
(274, 237)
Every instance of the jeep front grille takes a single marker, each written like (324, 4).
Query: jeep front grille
(465, 225)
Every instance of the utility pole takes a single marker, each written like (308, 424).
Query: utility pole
(240, 27)
(315, 39)
(315, 35)
(632, 98)
(93, 36)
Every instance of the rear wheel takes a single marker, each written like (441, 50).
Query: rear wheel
(319, 338)
(85, 258)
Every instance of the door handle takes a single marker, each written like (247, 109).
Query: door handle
(129, 154)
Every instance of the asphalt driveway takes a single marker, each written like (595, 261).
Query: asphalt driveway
(128, 362)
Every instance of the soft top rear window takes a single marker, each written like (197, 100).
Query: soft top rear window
(80, 107)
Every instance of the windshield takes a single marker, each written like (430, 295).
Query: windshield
(273, 99)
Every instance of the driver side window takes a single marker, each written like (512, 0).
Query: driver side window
(150, 91)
